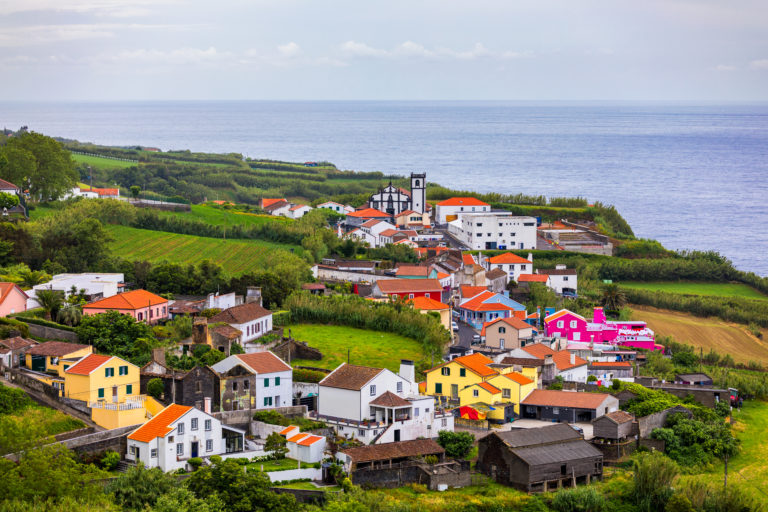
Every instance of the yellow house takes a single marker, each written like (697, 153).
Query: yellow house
(448, 378)
(425, 305)
(481, 392)
(101, 378)
(514, 386)
(49, 360)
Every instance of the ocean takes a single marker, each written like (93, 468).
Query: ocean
(690, 176)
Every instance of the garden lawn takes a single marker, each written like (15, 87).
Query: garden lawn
(487, 496)
(277, 465)
(223, 217)
(309, 486)
(692, 288)
(235, 256)
(101, 163)
(366, 348)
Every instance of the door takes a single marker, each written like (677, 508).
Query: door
(454, 391)
(277, 401)
(137, 452)
(501, 343)
(397, 435)
(114, 394)
(194, 448)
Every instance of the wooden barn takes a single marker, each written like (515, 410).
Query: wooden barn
(616, 425)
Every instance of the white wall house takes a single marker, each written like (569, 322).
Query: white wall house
(363, 236)
(494, 230)
(450, 209)
(297, 211)
(333, 206)
(562, 279)
(301, 446)
(374, 228)
(96, 286)
(178, 433)
(259, 380)
(252, 319)
(512, 264)
(375, 405)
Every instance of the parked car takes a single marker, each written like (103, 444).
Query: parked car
(476, 339)
(455, 326)
(578, 429)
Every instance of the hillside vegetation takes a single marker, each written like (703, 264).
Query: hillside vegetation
(693, 288)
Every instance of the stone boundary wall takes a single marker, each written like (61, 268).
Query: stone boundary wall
(647, 424)
(343, 276)
(295, 474)
(50, 333)
(303, 495)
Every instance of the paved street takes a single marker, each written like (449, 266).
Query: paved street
(465, 334)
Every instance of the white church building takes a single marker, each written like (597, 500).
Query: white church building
(394, 200)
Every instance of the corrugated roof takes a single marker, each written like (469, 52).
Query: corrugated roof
(520, 361)
(349, 376)
(310, 440)
(462, 201)
(556, 433)
(398, 450)
(159, 426)
(264, 362)
(572, 399)
(88, 364)
(561, 452)
(507, 258)
(136, 299)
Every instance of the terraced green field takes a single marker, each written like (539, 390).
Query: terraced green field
(693, 288)
(101, 163)
(235, 256)
(224, 217)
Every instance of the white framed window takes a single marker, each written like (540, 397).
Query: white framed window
(410, 295)
(180, 449)
(506, 393)
(153, 453)
(399, 387)
(560, 323)
(373, 390)
(361, 432)
(207, 424)
(180, 428)
(193, 425)
(209, 445)
(573, 324)
(445, 422)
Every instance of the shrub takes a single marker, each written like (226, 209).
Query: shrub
(13, 400)
(195, 463)
(591, 378)
(580, 499)
(110, 460)
(155, 388)
(457, 444)
(654, 475)
(303, 375)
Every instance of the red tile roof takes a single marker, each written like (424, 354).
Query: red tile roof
(264, 362)
(539, 350)
(390, 399)
(5, 291)
(269, 202)
(532, 278)
(102, 191)
(507, 258)
(427, 303)
(626, 364)
(7, 185)
(241, 314)
(297, 207)
(388, 232)
(462, 201)
(136, 299)
(489, 388)
(478, 303)
(562, 360)
(477, 362)
(468, 259)
(310, 440)
(413, 270)
(349, 376)
(512, 321)
(470, 291)
(407, 212)
(388, 286)
(367, 213)
(55, 348)
(88, 364)
(518, 377)
(160, 425)
(571, 399)
(17, 342)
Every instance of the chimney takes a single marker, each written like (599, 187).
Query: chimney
(253, 294)
(207, 406)
(548, 359)
(573, 358)
(158, 355)
(200, 331)
(407, 370)
(210, 303)
(530, 257)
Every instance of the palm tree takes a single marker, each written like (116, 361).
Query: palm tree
(613, 298)
(30, 278)
(50, 301)
(70, 314)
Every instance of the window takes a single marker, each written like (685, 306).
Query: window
(410, 295)
(560, 323)
(479, 224)
(65, 367)
(209, 445)
(475, 393)
(506, 393)
(445, 370)
(198, 387)
(426, 295)
(361, 432)
(246, 385)
(180, 428)
(163, 310)
(438, 389)
(129, 389)
(522, 267)
(267, 401)
(123, 370)
(101, 392)
(277, 381)
(502, 330)
(150, 313)
(207, 425)
(153, 453)
(416, 412)
(399, 387)
(180, 449)
(234, 386)
(445, 422)
(266, 383)
(109, 372)
(132, 450)
(170, 439)
(373, 390)
(573, 324)
(565, 278)
(193, 425)
(555, 410)
(462, 372)
(141, 317)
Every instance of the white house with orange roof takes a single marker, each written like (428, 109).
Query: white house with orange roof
(510, 263)
(297, 211)
(449, 209)
(179, 433)
(426, 305)
(302, 446)
(260, 380)
(333, 206)
(142, 305)
(410, 219)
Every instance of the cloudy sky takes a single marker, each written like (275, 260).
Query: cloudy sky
(698, 50)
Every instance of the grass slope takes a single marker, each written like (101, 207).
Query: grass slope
(100, 162)
(367, 348)
(235, 256)
(725, 338)
(691, 288)
(222, 217)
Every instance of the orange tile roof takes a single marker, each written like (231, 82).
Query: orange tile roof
(462, 201)
(310, 440)
(413, 270)
(102, 191)
(511, 321)
(366, 213)
(406, 212)
(264, 362)
(88, 364)
(287, 430)
(136, 299)
(442, 275)
(5, 291)
(518, 377)
(297, 207)
(560, 313)
(489, 388)
(470, 291)
(562, 360)
(468, 259)
(570, 399)
(532, 278)
(269, 202)
(611, 363)
(428, 304)
(388, 232)
(507, 258)
(296, 438)
(478, 303)
(478, 363)
(539, 350)
(160, 425)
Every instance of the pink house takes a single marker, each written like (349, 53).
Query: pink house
(567, 324)
(140, 304)
(12, 299)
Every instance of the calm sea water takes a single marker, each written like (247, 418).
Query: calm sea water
(693, 177)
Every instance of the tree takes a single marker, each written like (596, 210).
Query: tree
(69, 314)
(135, 191)
(50, 301)
(181, 499)
(457, 444)
(275, 445)
(30, 278)
(40, 163)
(613, 298)
(654, 475)
(114, 333)
(155, 388)
(139, 487)
(79, 245)
(8, 200)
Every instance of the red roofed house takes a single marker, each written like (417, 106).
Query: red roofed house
(408, 288)
(266, 203)
(512, 264)
(142, 305)
(410, 219)
(260, 380)
(369, 213)
(297, 211)
(568, 406)
(487, 306)
(305, 447)
(179, 433)
(426, 304)
(607, 371)
(506, 333)
(251, 318)
(450, 209)
(12, 299)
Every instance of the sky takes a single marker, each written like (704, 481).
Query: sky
(533, 50)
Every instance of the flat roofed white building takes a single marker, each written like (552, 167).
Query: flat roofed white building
(96, 286)
(494, 230)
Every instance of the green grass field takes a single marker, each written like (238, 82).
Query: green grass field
(235, 256)
(222, 217)
(309, 486)
(692, 288)
(101, 163)
(367, 348)
(276, 465)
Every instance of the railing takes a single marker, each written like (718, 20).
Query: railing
(129, 404)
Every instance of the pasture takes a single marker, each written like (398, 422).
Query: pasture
(693, 288)
(101, 162)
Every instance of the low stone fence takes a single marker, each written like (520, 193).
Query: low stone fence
(50, 333)
(303, 495)
(295, 474)
(262, 430)
(615, 451)
(115, 439)
(434, 476)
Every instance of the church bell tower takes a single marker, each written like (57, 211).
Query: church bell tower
(418, 192)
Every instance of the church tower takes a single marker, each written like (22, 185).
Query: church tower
(419, 192)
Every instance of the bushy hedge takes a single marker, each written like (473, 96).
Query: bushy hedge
(304, 375)
(354, 311)
(10, 324)
(46, 323)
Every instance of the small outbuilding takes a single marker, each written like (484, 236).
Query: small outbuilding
(568, 406)
(616, 425)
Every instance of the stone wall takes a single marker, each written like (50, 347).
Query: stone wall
(98, 442)
(450, 474)
(295, 474)
(261, 430)
(290, 349)
(647, 424)
(305, 388)
(51, 333)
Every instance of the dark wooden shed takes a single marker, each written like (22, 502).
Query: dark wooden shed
(615, 425)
